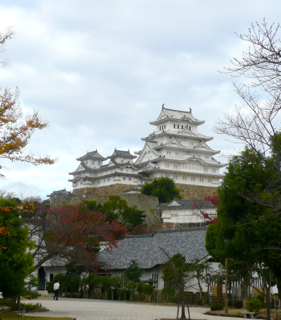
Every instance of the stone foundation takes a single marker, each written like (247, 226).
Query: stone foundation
(114, 189)
(188, 192)
(139, 201)
(142, 202)
(191, 192)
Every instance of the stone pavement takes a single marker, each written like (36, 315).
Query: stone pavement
(89, 309)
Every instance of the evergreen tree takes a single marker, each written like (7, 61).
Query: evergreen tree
(15, 262)
(163, 188)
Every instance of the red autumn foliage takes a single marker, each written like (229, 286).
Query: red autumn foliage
(199, 212)
(74, 233)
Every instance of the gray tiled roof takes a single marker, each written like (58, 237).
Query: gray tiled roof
(94, 155)
(59, 193)
(121, 153)
(188, 204)
(146, 249)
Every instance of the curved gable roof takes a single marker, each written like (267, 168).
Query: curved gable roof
(149, 250)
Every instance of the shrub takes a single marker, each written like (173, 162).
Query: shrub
(260, 297)
(30, 295)
(237, 304)
(168, 294)
(199, 302)
(50, 286)
(217, 306)
(254, 305)
(5, 302)
(30, 306)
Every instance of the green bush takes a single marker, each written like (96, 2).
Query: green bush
(168, 294)
(50, 286)
(124, 295)
(30, 295)
(260, 297)
(5, 302)
(30, 306)
(237, 304)
(254, 305)
(217, 306)
(199, 302)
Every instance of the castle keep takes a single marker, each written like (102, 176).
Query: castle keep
(175, 149)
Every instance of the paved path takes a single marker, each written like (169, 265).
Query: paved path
(89, 309)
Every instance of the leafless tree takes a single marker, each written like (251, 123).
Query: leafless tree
(261, 63)
(8, 34)
(255, 120)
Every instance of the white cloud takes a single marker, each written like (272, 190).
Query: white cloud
(99, 71)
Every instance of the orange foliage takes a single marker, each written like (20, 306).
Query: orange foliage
(28, 207)
(16, 129)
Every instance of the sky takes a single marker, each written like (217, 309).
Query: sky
(99, 72)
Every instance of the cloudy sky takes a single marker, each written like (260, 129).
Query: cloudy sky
(99, 71)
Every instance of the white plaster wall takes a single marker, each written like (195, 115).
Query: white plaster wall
(185, 216)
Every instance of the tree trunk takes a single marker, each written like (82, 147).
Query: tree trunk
(279, 289)
(183, 309)
(268, 302)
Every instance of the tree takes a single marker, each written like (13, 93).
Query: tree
(198, 209)
(176, 272)
(72, 233)
(248, 231)
(200, 269)
(117, 209)
(133, 272)
(15, 262)
(163, 188)
(17, 129)
(262, 61)
(255, 122)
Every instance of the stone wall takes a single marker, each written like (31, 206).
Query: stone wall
(107, 190)
(146, 203)
(190, 192)
(142, 202)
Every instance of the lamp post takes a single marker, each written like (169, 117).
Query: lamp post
(226, 298)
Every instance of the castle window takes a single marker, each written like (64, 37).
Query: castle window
(130, 179)
(98, 182)
(206, 157)
(166, 165)
(192, 179)
(175, 177)
(210, 180)
(174, 126)
(108, 179)
(124, 178)
(205, 169)
(176, 166)
(214, 170)
(93, 162)
(201, 180)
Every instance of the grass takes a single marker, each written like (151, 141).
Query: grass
(16, 316)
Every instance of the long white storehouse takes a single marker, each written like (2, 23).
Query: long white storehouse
(175, 150)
